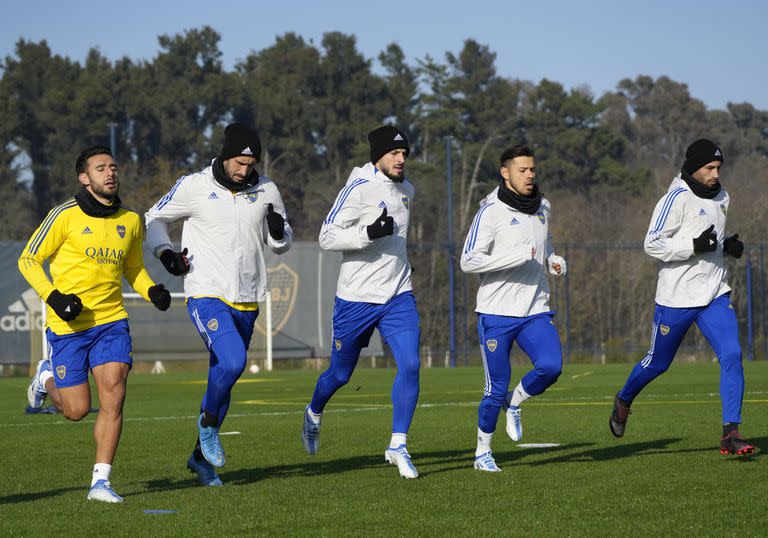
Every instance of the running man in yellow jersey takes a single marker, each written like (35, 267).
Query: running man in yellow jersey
(90, 242)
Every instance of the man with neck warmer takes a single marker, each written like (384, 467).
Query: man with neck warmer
(508, 244)
(687, 235)
(368, 223)
(91, 242)
(229, 214)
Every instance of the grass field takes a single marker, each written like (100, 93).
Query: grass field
(665, 477)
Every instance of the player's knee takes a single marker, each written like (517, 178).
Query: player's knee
(549, 372)
(341, 376)
(410, 367)
(730, 358)
(76, 413)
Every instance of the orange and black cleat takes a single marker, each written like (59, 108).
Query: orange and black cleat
(734, 444)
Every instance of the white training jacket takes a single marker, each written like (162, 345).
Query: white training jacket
(224, 232)
(372, 271)
(498, 246)
(687, 280)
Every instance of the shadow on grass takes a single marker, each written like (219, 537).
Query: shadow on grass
(38, 495)
(624, 450)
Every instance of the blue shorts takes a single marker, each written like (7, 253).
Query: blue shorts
(73, 355)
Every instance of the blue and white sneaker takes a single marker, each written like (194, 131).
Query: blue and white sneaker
(205, 472)
(485, 462)
(102, 491)
(514, 423)
(210, 444)
(399, 456)
(36, 392)
(310, 434)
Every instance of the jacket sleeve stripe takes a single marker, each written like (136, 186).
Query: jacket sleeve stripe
(475, 226)
(343, 198)
(167, 198)
(34, 244)
(666, 209)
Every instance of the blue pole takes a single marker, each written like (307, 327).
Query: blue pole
(750, 335)
(451, 297)
(567, 313)
(762, 298)
(113, 139)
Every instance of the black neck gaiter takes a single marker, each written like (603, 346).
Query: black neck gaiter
(221, 177)
(92, 207)
(526, 204)
(698, 188)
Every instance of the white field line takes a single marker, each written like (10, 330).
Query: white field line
(574, 402)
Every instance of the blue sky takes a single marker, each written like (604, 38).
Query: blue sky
(717, 48)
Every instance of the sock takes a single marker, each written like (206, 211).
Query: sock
(209, 419)
(518, 396)
(314, 417)
(44, 377)
(101, 472)
(729, 427)
(397, 440)
(198, 452)
(483, 442)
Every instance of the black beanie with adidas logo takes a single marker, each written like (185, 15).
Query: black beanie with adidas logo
(386, 138)
(240, 140)
(699, 153)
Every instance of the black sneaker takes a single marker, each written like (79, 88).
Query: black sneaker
(619, 416)
(734, 444)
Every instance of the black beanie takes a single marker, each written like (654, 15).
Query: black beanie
(699, 153)
(240, 140)
(386, 138)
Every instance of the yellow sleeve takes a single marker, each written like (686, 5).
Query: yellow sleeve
(44, 242)
(133, 268)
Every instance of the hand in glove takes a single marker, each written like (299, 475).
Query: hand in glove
(67, 307)
(175, 263)
(382, 227)
(275, 223)
(557, 265)
(733, 247)
(706, 242)
(160, 297)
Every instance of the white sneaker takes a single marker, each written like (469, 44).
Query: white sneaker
(36, 392)
(514, 423)
(310, 434)
(485, 462)
(102, 491)
(399, 456)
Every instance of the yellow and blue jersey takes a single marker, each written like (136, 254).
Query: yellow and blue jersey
(88, 256)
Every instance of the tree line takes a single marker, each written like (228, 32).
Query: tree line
(603, 160)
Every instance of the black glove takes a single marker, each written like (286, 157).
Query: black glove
(160, 297)
(706, 242)
(67, 307)
(276, 223)
(382, 227)
(733, 246)
(175, 262)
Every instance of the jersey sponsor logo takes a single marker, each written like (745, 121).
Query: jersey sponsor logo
(86, 230)
(405, 201)
(213, 324)
(61, 371)
(491, 344)
(541, 216)
(514, 221)
(120, 231)
(702, 212)
(105, 255)
(283, 289)
(24, 314)
(247, 151)
(213, 196)
(664, 329)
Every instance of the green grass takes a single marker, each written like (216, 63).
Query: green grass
(665, 477)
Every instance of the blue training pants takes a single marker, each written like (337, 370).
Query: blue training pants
(353, 325)
(227, 333)
(537, 337)
(717, 322)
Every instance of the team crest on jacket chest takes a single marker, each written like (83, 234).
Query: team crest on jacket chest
(121, 231)
(252, 197)
(725, 211)
(405, 201)
(541, 216)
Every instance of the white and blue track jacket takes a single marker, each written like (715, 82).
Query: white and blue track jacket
(687, 280)
(372, 271)
(498, 246)
(224, 232)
